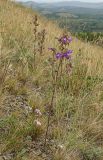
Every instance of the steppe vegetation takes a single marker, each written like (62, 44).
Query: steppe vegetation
(51, 90)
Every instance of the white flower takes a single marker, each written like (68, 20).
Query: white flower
(38, 112)
(60, 146)
(37, 123)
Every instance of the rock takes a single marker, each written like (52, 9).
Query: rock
(44, 155)
(7, 157)
(38, 152)
(34, 152)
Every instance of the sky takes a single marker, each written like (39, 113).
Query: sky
(40, 1)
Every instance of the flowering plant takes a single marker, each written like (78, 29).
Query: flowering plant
(63, 54)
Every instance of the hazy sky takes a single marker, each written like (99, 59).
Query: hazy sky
(39, 1)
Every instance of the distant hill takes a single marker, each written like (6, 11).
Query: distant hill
(78, 4)
(30, 4)
(77, 15)
(64, 4)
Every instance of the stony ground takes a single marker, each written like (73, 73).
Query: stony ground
(12, 104)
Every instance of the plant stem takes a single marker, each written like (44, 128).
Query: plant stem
(51, 104)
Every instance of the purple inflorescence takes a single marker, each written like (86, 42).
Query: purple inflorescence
(65, 40)
(59, 55)
(70, 39)
(66, 55)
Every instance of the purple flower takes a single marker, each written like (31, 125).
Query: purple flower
(52, 49)
(67, 54)
(65, 40)
(70, 39)
(59, 55)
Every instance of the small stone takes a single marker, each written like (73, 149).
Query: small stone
(52, 141)
(34, 152)
(7, 157)
(44, 155)
(38, 152)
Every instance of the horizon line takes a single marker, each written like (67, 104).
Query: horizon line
(59, 1)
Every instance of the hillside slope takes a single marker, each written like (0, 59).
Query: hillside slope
(31, 84)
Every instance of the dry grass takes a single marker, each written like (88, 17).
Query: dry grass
(78, 119)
